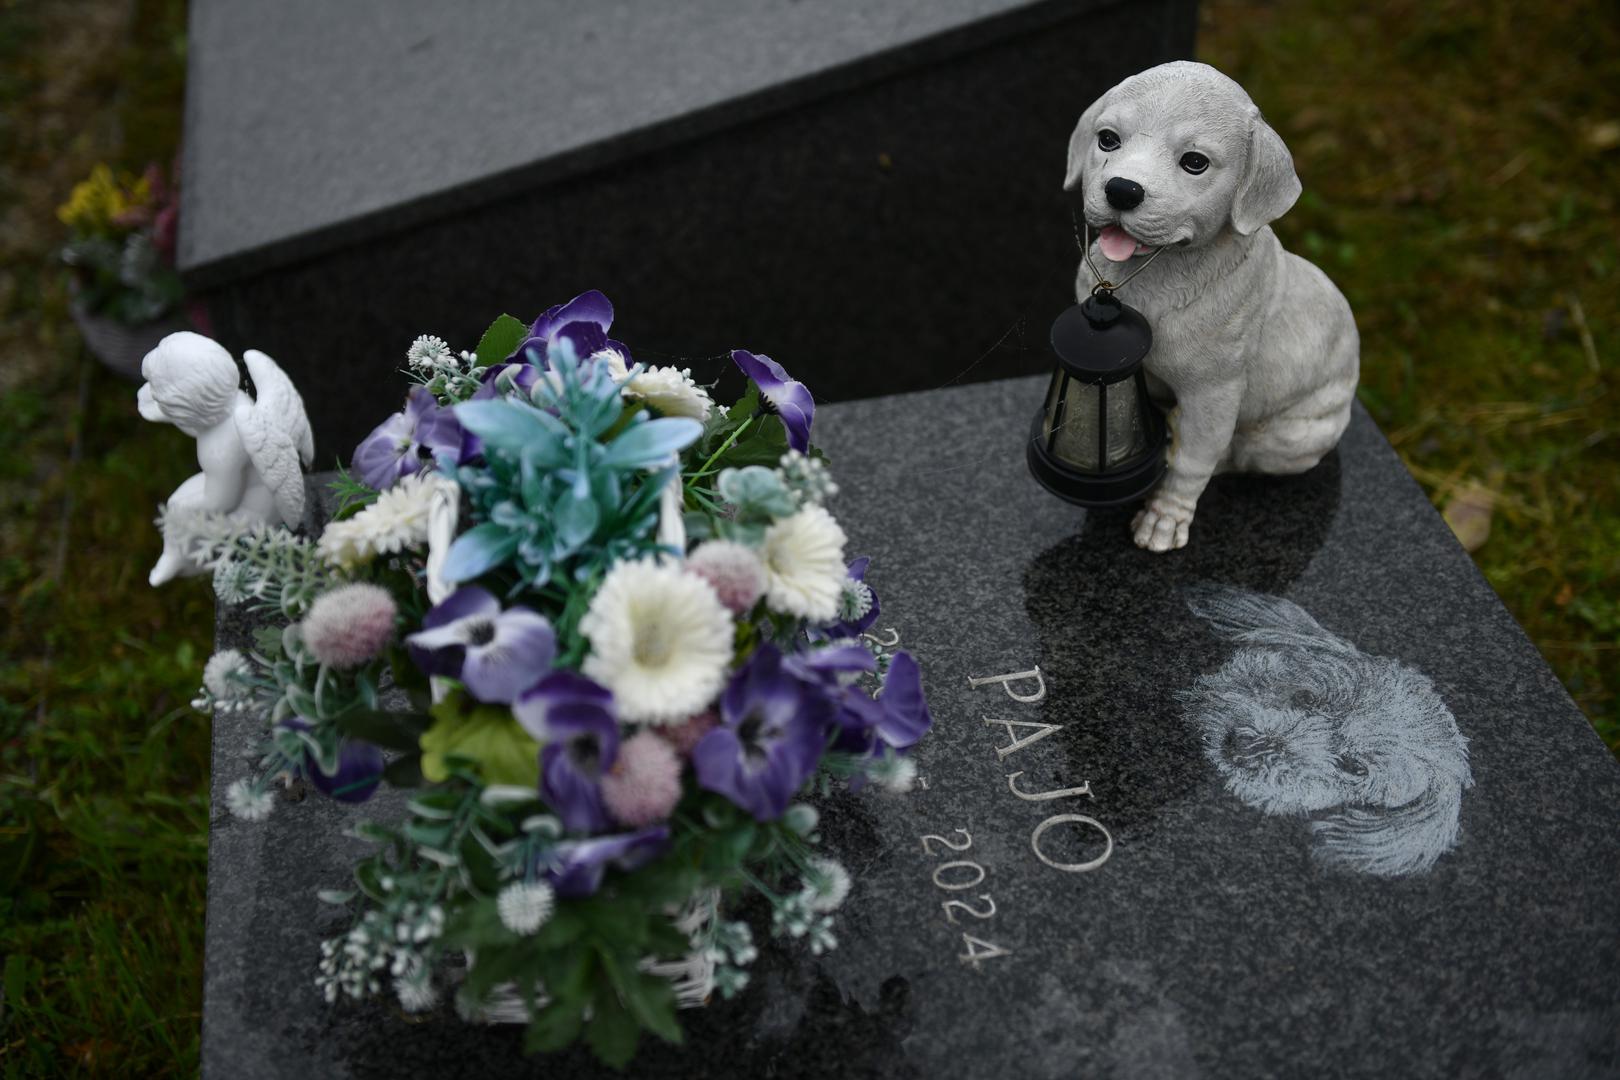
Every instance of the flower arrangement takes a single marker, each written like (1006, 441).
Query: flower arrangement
(608, 633)
(120, 247)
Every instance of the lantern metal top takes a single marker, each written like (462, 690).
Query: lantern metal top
(1101, 340)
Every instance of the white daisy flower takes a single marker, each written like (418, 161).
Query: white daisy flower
(396, 521)
(670, 390)
(827, 883)
(226, 676)
(804, 565)
(248, 802)
(660, 640)
(524, 907)
(428, 352)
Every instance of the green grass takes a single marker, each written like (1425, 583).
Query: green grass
(103, 765)
(1461, 163)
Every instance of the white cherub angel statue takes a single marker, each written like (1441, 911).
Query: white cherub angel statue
(250, 450)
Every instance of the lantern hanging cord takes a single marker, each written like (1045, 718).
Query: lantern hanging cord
(1103, 284)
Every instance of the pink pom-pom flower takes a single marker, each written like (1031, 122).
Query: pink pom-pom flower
(733, 569)
(688, 732)
(350, 625)
(645, 782)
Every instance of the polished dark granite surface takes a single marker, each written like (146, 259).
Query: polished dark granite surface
(1214, 939)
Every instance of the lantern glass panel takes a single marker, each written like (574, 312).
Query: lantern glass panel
(1076, 441)
(1126, 438)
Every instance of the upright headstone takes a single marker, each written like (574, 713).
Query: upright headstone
(1297, 800)
(870, 192)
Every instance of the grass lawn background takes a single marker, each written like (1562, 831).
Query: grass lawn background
(1461, 163)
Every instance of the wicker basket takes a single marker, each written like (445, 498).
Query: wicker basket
(692, 976)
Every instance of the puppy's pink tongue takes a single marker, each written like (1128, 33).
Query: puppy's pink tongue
(1116, 244)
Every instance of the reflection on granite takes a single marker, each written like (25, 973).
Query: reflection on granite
(1207, 940)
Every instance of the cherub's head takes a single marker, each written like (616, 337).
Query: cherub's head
(1300, 721)
(191, 382)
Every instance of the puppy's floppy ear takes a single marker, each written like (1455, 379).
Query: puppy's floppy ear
(1269, 186)
(1392, 842)
(1080, 145)
(1258, 619)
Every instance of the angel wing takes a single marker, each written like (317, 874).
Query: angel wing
(275, 431)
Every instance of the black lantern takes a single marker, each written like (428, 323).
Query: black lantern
(1099, 440)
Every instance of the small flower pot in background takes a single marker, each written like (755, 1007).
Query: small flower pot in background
(121, 346)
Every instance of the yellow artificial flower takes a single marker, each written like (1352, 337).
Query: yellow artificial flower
(96, 203)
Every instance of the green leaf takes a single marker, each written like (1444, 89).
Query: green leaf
(746, 406)
(621, 923)
(612, 1032)
(478, 550)
(651, 442)
(405, 772)
(391, 731)
(728, 849)
(763, 444)
(554, 1028)
(267, 640)
(651, 1001)
(504, 335)
(563, 928)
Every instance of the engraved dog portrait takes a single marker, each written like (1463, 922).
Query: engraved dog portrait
(1299, 722)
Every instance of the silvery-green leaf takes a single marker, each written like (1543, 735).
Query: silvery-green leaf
(575, 520)
(334, 896)
(502, 794)
(479, 550)
(504, 425)
(651, 442)
(756, 492)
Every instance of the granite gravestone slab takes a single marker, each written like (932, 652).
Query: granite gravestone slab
(1101, 878)
(852, 182)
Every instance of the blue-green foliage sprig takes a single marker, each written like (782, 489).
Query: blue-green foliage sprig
(569, 482)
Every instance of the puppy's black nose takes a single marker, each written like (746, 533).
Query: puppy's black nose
(1123, 194)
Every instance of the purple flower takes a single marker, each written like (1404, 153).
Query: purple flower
(358, 773)
(897, 717)
(856, 627)
(408, 441)
(496, 654)
(771, 736)
(575, 867)
(524, 376)
(573, 716)
(781, 395)
(582, 322)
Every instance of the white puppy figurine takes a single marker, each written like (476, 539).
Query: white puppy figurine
(1255, 347)
(249, 449)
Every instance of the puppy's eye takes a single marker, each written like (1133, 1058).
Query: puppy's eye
(1302, 699)
(1194, 162)
(1349, 764)
(1107, 140)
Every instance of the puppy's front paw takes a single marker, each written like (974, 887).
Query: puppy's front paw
(1163, 524)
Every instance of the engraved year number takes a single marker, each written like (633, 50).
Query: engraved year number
(957, 875)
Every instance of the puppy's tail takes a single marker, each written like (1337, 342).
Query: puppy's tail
(1392, 842)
